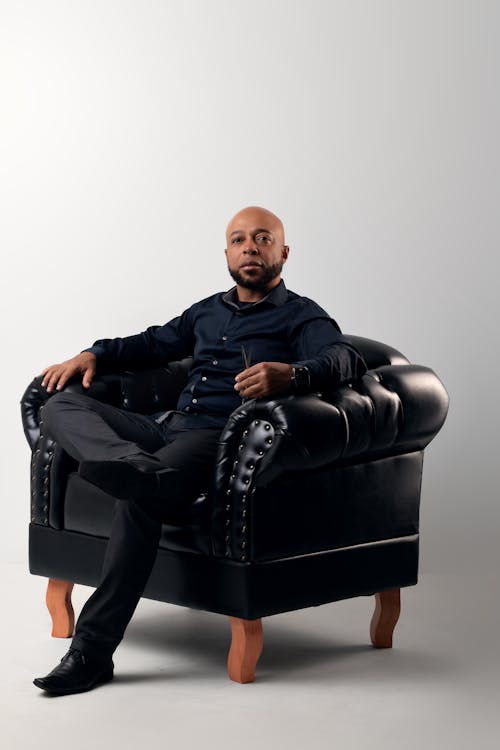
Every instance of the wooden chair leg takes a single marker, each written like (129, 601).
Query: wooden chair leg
(246, 647)
(385, 617)
(58, 600)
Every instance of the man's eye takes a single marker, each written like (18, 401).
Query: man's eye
(263, 237)
(236, 239)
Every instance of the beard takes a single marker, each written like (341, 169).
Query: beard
(261, 283)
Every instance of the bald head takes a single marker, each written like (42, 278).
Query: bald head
(258, 218)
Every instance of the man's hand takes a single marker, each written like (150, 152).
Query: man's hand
(264, 379)
(56, 376)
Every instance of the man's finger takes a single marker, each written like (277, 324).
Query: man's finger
(88, 377)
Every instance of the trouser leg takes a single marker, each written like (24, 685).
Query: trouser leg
(89, 430)
(134, 538)
(129, 559)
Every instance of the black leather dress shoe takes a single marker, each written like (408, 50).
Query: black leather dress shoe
(76, 673)
(130, 478)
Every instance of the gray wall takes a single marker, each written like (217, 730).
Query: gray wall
(132, 131)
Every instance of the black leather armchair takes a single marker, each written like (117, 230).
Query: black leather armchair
(313, 499)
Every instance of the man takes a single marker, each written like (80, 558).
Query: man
(254, 341)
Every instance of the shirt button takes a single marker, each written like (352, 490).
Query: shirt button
(215, 362)
(204, 377)
(194, 400)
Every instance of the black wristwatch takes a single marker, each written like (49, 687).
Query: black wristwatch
(301, 379)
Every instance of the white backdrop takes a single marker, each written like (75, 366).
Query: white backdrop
(132, 131)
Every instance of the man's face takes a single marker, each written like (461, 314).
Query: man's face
(255, 248)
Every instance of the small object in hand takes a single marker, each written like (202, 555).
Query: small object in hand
(246, 361)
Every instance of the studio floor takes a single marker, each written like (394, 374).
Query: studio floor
(319, 683)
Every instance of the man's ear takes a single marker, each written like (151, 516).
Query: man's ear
(225, 251)
(285, 251)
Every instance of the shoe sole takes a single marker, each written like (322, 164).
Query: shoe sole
(68, 691)
(119, 479)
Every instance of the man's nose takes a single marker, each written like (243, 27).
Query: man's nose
(250, 246)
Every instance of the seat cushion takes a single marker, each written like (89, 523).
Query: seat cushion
(89, 510)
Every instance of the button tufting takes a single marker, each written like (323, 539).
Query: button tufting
(269, 440)
(240, 447)
(215, 361)
(243, 513)
(228, 521)
(228, 538)
(228, 508)
(243, 557)
(256, 422)
(243, 545)
(228, 492)
(245, 433)
(267, 426)
(243, 529)
(204, 377)
(246, 480)
(251, 466)
(261, 453)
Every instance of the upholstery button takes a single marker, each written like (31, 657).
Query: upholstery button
(240, 447)
(228, 538)
(215, 361)
(228, 521)
(269, 440)
(267, 426)
(256, 422)
(261, 453)
(243, 545)
(243, 513)
(233, 476)
(246, 480)
(227, 553)
(243, 557)
(204, 377)
(228, 492)
(228, 508)
(245, 433)
(251, 466)
(224, 338)
(243, 529)
(194, 400)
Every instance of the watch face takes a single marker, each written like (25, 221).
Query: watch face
(301, 378)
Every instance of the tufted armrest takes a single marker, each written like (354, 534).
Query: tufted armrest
(390, 410)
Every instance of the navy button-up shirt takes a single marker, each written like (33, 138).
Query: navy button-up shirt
(281, 327)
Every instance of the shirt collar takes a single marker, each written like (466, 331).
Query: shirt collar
(277, 296)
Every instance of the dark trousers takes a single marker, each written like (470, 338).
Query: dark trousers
(90, 430)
